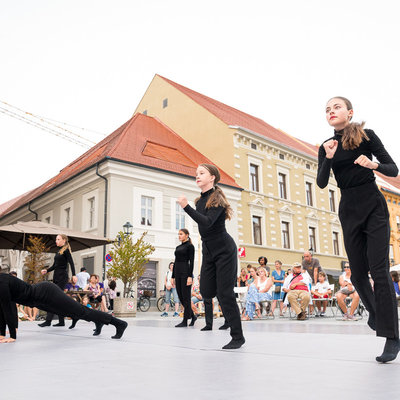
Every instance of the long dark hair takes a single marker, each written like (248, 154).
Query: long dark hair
(217, 197)
(353, 133)
(186, 232)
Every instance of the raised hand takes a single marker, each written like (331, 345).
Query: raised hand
(330, 148)
(182, 200)
(365, 162)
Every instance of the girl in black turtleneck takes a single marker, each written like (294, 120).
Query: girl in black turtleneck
(364, 215)
(219, 264)
(49, 297)
(60, 276)
(182, 275)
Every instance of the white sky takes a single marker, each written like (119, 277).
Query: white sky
(89, 62)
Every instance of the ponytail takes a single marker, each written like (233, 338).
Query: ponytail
(353, 135)
(66, 245)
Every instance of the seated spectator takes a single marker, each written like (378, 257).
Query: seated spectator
(347, 290)
(196, 296)
(296, 287)
(170, 290)
(278, 277)
(86, 301)
(22, 315)
(258, 291)
(242, 278)
(103, 294)
(96, 295)
(321, 291)
(72, 284)
(252, 275)
(395, 279)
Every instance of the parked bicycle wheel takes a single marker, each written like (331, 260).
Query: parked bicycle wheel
(144, 304)
(161, 304)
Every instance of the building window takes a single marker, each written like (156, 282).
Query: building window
(311, 238)
(308, 166)
(332, 204)
(165, 103)
(147, 211)
(281, 156)
(282, 185)
(285, 235)
(336, 243)
(254, 146)
(309, 199)
(88, 263)
(179, 217)
(67, 216)
(398, 222)
(47, 220)
(92, 210)
(254, 178)
(257, 230)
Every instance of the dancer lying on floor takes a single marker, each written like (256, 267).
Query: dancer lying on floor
(49, 297)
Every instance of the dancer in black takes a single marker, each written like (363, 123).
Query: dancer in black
(209, 316)
(182, 276)
(49, 297)
(60, 277)
(363, 214)
(219, 265)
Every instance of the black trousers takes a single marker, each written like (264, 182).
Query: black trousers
(61, 283)
(184, 294)
(208, 311)
(49, 297)
(364, 217)
(217, 278)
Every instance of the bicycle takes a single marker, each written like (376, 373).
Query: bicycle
(143, 301)
(161, 301)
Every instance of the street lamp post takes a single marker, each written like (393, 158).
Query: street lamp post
(127, 228)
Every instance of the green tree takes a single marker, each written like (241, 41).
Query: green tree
(129, 259)
(35, 261)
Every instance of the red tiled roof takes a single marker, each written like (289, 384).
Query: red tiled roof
(142, 140)
(234, 117)
(392, 181)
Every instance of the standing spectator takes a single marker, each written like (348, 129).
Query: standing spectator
(263, 261)
(347, 290)
(111, 292)
(321, 291)
(296, 286)
(170, 290)
(83, 278)
(312, 266)
(278, 277)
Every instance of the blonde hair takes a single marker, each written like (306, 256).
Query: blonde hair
(66, 245)
(353, 133)
(217, 198)
(265, 271)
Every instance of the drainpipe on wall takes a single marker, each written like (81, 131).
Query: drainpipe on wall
(105, 217)
(33, 212)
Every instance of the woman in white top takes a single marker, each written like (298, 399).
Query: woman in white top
(258, 291)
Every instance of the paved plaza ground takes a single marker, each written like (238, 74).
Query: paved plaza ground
(282, 359)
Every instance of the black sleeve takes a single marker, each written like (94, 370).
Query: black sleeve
(8, 315)
(206, 220)
(191, 260)
(53, 267)
(324, 168)
(70, 261)
(386, 164)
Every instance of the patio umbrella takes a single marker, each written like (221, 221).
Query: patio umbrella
(15, 236)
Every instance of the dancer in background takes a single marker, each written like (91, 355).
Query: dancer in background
(49, 297)
(363, 214)
(60, 278)
(219, 265)
(182, 276)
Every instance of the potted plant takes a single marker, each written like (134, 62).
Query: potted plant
(128, 259)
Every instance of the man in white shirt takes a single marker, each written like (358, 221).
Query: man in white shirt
(83, 278)
(297, 286)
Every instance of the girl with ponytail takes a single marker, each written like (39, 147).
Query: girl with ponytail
(364, 216)
(219, 262)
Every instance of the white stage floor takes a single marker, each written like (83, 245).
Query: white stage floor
(282, 359)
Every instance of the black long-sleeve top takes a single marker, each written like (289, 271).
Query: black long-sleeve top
(211, 220)
(347, 173)
(184, 260)
(12, 290)
(60, 265)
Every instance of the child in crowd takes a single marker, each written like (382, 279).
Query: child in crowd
(321, 291)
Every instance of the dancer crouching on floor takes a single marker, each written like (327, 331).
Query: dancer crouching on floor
(49, 297)
(219, 265)
(363, 214)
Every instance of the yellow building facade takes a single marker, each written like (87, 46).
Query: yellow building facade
(282, 212)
